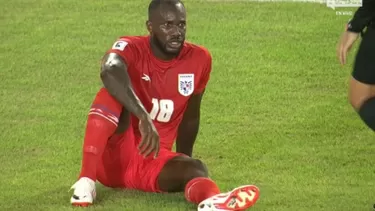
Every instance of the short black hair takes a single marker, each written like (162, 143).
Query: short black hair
(155, 4)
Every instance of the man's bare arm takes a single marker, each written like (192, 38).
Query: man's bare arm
(189, 127)
(116, 80)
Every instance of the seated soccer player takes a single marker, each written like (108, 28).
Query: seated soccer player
(153, 88)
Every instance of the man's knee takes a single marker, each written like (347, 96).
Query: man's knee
(190, 167)
(362, 98)
(356, 102)
(359, 93)
(196, 169)
(179, 171)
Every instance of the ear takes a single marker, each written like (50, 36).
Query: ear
(149, 26)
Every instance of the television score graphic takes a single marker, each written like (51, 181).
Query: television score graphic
(343, 3)
(334, 4)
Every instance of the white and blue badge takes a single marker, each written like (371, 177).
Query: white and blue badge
(186, 84)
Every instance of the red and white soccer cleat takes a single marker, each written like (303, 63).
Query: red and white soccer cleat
(239, 199)
(84, 192)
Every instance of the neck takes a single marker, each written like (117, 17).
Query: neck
(158, 53)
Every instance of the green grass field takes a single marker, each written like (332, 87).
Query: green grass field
(275, 113)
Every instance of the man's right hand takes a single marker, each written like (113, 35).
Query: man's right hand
(150, 138)
(345, 44)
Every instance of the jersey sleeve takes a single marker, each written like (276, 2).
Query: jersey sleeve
(205, 77)
(126, 49)
(362, 17)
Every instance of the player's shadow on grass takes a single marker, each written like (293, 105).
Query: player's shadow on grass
(60, 197)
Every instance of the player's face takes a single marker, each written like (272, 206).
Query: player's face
(169, 29)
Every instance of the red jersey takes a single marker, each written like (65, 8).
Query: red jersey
(164, 87)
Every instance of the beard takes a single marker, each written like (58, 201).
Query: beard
(163, 46)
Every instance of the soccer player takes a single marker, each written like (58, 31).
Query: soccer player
(153, 88)
(362, 82)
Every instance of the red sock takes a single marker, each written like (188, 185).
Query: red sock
(101, 123)
(199, 189)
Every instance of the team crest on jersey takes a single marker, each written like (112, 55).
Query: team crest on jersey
(186, 84)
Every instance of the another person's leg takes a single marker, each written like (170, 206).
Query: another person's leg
(362, 83)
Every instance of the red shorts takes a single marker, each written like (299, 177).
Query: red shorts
(123, 167)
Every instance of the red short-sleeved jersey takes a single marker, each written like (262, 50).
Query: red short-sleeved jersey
(164, 87)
